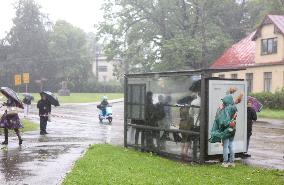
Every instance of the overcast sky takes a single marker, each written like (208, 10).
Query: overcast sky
(80, 13)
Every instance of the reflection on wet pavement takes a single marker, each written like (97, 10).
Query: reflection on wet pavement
(267, 145)
(46, 159)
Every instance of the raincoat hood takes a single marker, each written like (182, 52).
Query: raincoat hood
(228, 100)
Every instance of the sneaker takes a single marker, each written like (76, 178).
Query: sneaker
(42, 133)
(232, 165)
(20, 142)
(247, 155)
(45, 132)
(225, 165)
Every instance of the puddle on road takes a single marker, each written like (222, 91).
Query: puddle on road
(63, 139)
(14, 160)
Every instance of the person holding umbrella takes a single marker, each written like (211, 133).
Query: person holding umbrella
(28, 98)
(10, 118)
(44, 106)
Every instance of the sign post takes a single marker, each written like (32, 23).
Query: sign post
(26, 80)
(18, 79)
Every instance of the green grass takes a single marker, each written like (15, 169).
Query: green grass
(29, 125)
(83, 97)
(105, 164)
(270, 113)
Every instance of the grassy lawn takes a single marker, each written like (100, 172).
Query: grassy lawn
(105, 164)
(28, 126)
(83, 97)
(269, 113)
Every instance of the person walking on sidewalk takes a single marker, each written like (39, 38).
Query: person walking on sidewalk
(44, 111)
(11, 120)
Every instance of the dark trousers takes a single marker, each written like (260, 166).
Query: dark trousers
(6, 134)
(248, 139)
(43, 123)
(104, 111)
(138, 131)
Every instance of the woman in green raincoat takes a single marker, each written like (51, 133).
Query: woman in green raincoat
(224, 128)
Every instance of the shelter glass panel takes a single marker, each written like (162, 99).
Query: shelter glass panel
(170, 110)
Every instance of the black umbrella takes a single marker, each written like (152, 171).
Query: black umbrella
(28, 98)
(9, 93)
(53, 100)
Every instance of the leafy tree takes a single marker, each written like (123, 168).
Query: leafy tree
(258, 9)
(164, 34)
(28, 38)
(68, 47)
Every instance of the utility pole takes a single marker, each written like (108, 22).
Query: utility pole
(97, 60)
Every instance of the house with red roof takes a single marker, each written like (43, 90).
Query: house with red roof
(260, 54)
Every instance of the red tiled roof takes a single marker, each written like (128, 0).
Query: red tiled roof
(240, 54)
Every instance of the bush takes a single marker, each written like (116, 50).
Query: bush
(271, 100)
(93, 86)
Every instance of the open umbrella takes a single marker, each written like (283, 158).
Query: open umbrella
(256, 105)
(27, 98)
(9, 93)
(53, 100)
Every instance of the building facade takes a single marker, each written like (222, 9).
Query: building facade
(260, 54)
(104, 69)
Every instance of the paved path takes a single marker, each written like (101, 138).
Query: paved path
(44, 160)
(267, 144)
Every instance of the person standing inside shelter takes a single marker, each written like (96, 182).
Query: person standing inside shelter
(150, 120)
(44, 111)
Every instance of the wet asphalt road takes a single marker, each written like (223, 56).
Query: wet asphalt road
(45, 160)
(267, 144)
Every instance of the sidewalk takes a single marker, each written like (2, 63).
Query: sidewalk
(267, 144)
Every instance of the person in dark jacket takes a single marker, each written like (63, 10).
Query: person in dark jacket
(251, 116)
(44, 111)
(150, 120)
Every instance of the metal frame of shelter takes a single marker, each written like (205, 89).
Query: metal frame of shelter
(205, 74)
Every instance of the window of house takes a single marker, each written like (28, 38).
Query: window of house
(102, 68)
(221, 76)
(234, 76)
(268, 46)
(267, 81)
(249, 79)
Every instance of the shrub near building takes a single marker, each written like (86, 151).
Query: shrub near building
(271, 100)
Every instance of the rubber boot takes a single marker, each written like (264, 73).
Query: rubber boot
(5, 142)
(19, 136)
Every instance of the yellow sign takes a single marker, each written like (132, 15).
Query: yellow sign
(26, 78)
(18, 80)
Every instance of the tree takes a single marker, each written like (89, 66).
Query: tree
(163, 34)
(258, 9)
(27, 42)
(68, 47)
